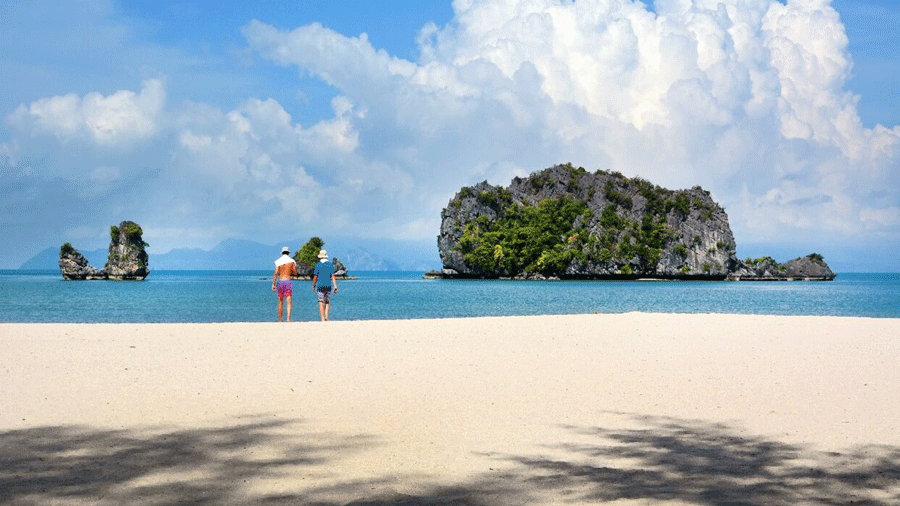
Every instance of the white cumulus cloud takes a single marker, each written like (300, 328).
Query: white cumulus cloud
(746, 98)
(122, 117)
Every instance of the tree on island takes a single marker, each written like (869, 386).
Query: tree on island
(309, 253)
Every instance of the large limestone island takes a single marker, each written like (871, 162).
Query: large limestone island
(566, 223)
(127, 258)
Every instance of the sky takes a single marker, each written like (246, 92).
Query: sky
(273, 121)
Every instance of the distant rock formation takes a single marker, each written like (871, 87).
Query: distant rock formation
(127, 258)
(74, 267)
(307, 257)
(305, 271)
(566, 223)
(809, 268)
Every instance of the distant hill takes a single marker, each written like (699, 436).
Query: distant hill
(237, 254)
(371, 262)
(48, 259)
(230, 254)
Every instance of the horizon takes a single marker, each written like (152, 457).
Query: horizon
(97, 253)
(207, 121)
(242, 252)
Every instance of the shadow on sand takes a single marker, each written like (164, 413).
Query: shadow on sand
(80, 465)
(682, 461)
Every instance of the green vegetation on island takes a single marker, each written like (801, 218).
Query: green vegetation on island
(566, 222)
(602, 218)
(127, 258)
(308, 256)
(308, 253)
(526, 237)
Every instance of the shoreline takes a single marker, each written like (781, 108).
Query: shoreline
(633, 407)
(443, 318)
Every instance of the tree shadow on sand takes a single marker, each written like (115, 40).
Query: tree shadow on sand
(81, 465)
(706, 463)
(683, 462)
(664, 459)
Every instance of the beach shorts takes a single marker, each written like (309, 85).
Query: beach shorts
(324, 294)
(285, 287)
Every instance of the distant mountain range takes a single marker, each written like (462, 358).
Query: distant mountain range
(236, 254)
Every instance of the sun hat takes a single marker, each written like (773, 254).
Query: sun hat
(285, 250)
(323, 253)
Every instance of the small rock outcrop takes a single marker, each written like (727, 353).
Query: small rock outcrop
(809, 268)
(74, 267)
(307, 257)
(566, 223)
(127, 258)
(305, 271)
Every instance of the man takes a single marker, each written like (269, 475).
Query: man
(323, 282)
(285, 267)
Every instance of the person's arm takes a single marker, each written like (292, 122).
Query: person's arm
(334, 283)
(274, 277)
(314, 281)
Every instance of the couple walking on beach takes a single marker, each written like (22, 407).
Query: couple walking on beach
(323, 282)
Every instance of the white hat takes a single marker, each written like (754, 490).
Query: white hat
(323, 253)
(285, 250)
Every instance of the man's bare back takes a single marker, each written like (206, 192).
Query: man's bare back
(285, 271)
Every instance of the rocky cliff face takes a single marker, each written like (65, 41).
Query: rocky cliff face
(127, 258)
(565, 222)
(809, 268)
(74, 267)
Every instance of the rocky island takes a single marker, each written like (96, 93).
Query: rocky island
(567, 223)
(306, 258)
(127, 258)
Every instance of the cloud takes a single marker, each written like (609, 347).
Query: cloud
(123, 117)
(336, 135)
(256, 159)
(880, 218)
(747, 98)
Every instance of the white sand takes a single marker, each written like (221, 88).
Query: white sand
(619, 409)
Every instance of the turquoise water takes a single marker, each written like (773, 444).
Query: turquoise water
(246, 296)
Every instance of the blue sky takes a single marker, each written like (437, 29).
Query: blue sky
(272, 121)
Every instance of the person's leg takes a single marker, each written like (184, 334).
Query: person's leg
(327, 300)
(280, 305)
(322, 310)
(288, 301)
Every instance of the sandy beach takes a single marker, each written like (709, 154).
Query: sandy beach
(589, 409)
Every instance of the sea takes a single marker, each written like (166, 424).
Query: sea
(246, 296)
